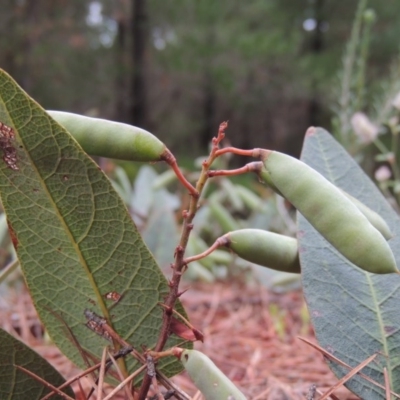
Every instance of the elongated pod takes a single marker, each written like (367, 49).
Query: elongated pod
(374, 218)
(264, 248)
(221, 214)
(100, 137)
(331, 213)
(208, 378)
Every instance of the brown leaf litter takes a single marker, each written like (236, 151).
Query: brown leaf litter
(249, 332)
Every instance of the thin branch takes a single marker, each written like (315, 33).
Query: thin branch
(218, 243)
(347, 377)
(387, 384)
(121, 353)
(11, 267)
(44, 382)
(343, 364)
(125, 382)
(128, 393)
(256, 153)
(179, 264)
(255, 166)
(101, 374)
(169, 158)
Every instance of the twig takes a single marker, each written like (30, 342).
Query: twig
(125, 382)
(180, 251)
(101, 327)
(128, 393)
(255, 166)
(218, 243)
(387, 384)
(347, 377)
(332, 396)
(169, 158)
(256, 153)
(343, 364)
(101, 374)
(44, 382)
(121, 353)
(11, 267)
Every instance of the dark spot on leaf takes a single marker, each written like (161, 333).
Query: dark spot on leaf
(92, 301)
(316, 314)
(114, 296)
(59, 249)
(13, 236)
(300, 234)
(389, 329)
(35, 190)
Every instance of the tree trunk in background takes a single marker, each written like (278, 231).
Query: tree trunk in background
(317, 46)
(121, 68)
(139, 36)
(209, 129)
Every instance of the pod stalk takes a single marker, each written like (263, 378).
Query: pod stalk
(255, 166)
(221, 241)
(169, 158)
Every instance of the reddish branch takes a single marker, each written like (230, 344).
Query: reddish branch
(179, 263)
(169, 158)
(255, 166)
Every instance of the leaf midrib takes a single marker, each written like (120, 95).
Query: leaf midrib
(59, 216)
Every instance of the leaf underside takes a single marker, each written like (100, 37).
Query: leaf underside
(355, 314)
(74, 237)
(16, 384)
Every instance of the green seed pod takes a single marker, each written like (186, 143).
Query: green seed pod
(100, 137)
(208, 378)
(226, 221)
(374, 218)
(331, 213)
(252, 201)
(264, 248)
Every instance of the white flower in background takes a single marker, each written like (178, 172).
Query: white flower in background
(364, 128)
(396, 101)
(383, 173)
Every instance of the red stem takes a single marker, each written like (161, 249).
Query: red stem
(256, 153)
(169, 158)
(180, 249)
(205, 253)
(255, 166)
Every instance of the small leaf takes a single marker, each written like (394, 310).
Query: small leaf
(15, 384)
(74, 237)
(354, 313)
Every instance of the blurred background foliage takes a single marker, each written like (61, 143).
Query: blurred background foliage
(178, 68)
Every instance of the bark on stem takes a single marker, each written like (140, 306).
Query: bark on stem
(180, 251)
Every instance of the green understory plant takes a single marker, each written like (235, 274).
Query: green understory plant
(95, 283)
(366, 115)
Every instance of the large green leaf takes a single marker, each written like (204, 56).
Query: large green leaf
(354, 313)
(74, 237)
(16, 384)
